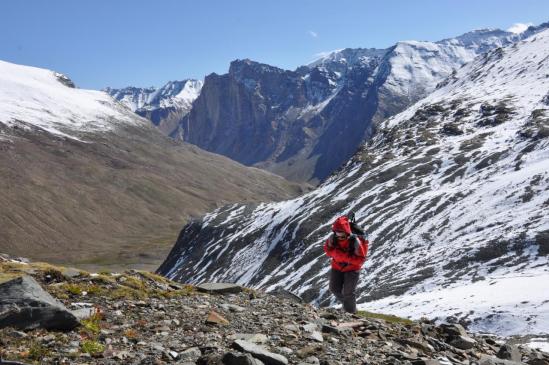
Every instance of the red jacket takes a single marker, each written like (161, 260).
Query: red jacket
(338, 250)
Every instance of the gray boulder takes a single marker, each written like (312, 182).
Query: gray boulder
(509, 352)
(454, 330)
(260, 353)
(25, 305)
(219, 288)
(463, 342)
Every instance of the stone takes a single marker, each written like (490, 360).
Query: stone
(291, 327)
(210, 359)
(250, 337)
(312, 332)
(423, 346)
(190, 354)
(173, 354)
(350, 324)
(347, 331)
(509, 352)
(489, 360)
(219, 288)
(216, 318)
(310, 327)
(463, 342)
(260, 353)
(285, 350)
(83, 313)
(308, 351)
(25, 305)
(312, 360)
(283, 293)
(121, 355)
(315, 336)
(231, 358)
(232, 308)
(18, 334)
(70, 273)
(454, 330)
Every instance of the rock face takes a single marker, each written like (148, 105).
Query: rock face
(449, 215)
(74, 160)
(146, 319)
(25, 305)
(306, 123)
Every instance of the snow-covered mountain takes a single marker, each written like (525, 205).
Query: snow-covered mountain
(35, 97)
(293, 122)
(85, 180)
(164, 106)
(454, 193)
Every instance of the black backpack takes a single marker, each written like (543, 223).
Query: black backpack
(355, 228)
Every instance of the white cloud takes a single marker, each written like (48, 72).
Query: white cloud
(519, 27)
(313, 34)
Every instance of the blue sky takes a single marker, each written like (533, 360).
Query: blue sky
(118, 43)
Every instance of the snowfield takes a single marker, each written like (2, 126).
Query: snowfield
(508, 302)
(31, 96)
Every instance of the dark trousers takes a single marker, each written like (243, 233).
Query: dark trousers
(343, 286)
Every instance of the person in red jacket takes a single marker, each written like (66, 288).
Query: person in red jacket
(348, 253)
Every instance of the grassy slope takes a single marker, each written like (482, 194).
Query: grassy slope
(119, 200)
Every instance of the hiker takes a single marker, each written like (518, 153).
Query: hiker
(348, 251)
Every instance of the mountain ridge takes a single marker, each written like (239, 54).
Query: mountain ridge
(452, 191)
(298, 117)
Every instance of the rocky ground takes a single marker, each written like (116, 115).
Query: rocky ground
(139, 318)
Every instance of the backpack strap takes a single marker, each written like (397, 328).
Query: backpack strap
(354, 242)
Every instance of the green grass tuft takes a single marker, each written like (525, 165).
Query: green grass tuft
(386, 317)
(92, 347)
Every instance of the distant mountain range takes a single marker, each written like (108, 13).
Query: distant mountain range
(304, 124)
(454, 190)
(165, 107)
(84, 180)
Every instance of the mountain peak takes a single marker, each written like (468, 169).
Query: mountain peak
(247, 66)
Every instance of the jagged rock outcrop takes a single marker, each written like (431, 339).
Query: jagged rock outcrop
(25, 305)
